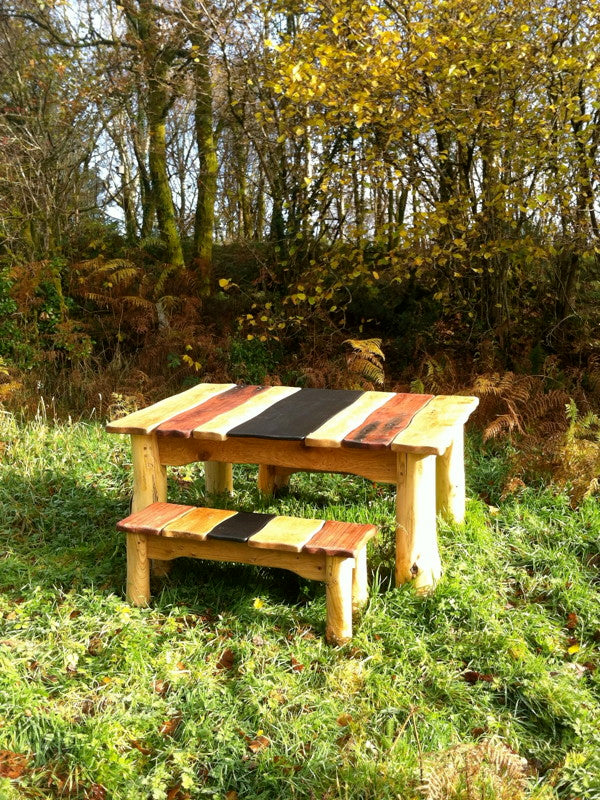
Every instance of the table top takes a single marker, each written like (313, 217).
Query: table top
(314, 417)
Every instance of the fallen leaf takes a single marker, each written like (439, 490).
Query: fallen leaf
(296, 665)
(344, 719)
(231, 795)
(226, 660)
(95, 792)
(95, 646)
(161, 687)
(572, 620)
(472, 676)
(258, 744)
(169, 727)
(145, 751)
(12, 765)
(75, 613)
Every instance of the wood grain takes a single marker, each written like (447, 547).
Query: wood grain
(197, 523)
(147, 419)
(240, 527)
(305, 564)
(376, 465)
(183, 424)
(219, 427)
(332, 432)
(153, 518)
(295, 417)
(286, 533)
(432, 428)
(340, 538)
(381, 427)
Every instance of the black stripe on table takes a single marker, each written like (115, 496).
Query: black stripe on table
(240, 527)
(294, 417)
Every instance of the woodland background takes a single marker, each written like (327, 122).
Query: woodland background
(288, 192)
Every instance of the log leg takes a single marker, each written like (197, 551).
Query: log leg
(149, 483)
(272, 479)
(218, 476)
(360, 585)
(417, 554)
(138, 569)
(338, 577)
(451, 480)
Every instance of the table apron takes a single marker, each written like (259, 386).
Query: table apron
(376, 465)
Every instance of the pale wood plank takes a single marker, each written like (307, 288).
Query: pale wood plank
(197, 523)
(304, 564)
(433, 428)
(332, 432)
(147, 419)
(286, 533)
(376, 465)
(217, 428)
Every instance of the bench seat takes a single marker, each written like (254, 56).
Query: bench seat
(329, 551)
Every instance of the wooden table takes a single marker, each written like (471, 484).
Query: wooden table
(414, 441)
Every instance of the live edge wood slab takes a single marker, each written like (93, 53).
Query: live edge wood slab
(333, 552)
(414, 441)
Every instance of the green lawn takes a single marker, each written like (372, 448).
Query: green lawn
(225, 688)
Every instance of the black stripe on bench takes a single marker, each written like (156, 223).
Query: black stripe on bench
(240, 527)
(294, 417)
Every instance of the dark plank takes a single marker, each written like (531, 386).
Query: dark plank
(340, 538)
(240, 527)
(381, 427)
(294, 417)
(183, 424)
(153, 518)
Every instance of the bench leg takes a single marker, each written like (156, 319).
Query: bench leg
(218, 477)
(451, 479)
(149, 482)
(338, 579)
(138, 569)
(271, 479)
(360, 586)
(417, 554)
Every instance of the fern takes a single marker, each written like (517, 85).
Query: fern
(365, 360)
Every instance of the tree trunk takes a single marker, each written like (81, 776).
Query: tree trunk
(208, 166)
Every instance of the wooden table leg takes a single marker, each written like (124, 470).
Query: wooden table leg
(360, 585)
(149, 482)
(218, 477)
(271, 478)
(417, 554)
(138, 569)
(338, 579)
(451, 479)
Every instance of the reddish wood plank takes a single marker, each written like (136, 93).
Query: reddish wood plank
(381, 427)
(183, 424)
(153, 518)
(340, 538)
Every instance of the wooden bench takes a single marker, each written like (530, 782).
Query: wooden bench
(333, 552)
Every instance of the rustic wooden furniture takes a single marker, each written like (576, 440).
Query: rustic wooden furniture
(414, 441)
(333, 552)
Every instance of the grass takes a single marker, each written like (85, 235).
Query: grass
(224, 687)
